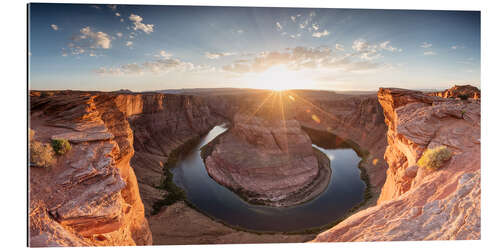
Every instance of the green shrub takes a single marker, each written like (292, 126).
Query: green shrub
(174, 192)
(41, 154)
(61, 146)
(434, 158)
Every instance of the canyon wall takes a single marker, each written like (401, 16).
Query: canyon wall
(161, 124)
(90, 196)
(121, 142)
(417, 203)
(358, 118)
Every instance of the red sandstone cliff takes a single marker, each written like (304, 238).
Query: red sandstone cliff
(416, 203)
(90, 197)
(162, 123)
(358, 118)
(110, 133)
(459, 91)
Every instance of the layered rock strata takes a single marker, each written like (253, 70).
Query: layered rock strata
(417, 203)
(90, 196)
(358, 118)
(267, 162)
(459, 91)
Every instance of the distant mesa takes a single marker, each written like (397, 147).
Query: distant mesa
(267, 162)
(124, 91)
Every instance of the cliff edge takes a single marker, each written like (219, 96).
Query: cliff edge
(417, 203)
(89, 196)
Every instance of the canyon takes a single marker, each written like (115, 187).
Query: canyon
(104, 191)
(269, 162)
(417, 203)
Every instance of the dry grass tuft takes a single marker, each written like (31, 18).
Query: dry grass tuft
(41, 154)
(434, 158)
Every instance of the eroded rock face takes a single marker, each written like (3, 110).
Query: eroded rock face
(355, 117)
(270, 162)
(90, 196)
(460, 91)
(162, 123)
(417, 203)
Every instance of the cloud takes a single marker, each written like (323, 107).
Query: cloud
(54, 27)
(321, 34)
(278, 25)
(113, 7)
(211, 55)
(315, 26)
(122, 20)
(159, 66)
(96, 39)
(87, 41)
(117, 14)
(426, 45)
(129, 43)
(139, 25)
(429, 53)
(119, 34)
(300, 58)
(237, 68)
(385, 46)
(95, 7)
(367, 51)
(339, 47)
(455, 47)
(163, 54)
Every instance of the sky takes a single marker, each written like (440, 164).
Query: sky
(148, 47)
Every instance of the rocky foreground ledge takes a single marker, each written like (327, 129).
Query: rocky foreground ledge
(267, 162)
(417, 203)
(90, 195)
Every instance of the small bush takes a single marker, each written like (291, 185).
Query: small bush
(41, 154)
(434, 158)
(61, 146)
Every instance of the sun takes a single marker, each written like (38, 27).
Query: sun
(277, 78)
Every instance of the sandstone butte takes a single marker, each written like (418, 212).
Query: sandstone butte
(268, 162)
(92, 196)
(416, 203)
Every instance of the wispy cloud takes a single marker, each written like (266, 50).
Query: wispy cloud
(54, 27)
(129, 43)
(211, 55)
(87, 41)
(139, 25)
(455, 47)
(163, 54)
(385, 46)
(429, 53)
(321, 34)
(426, 45)
(159, 66)
(278, 26)
(299, 58)
(96, 39)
